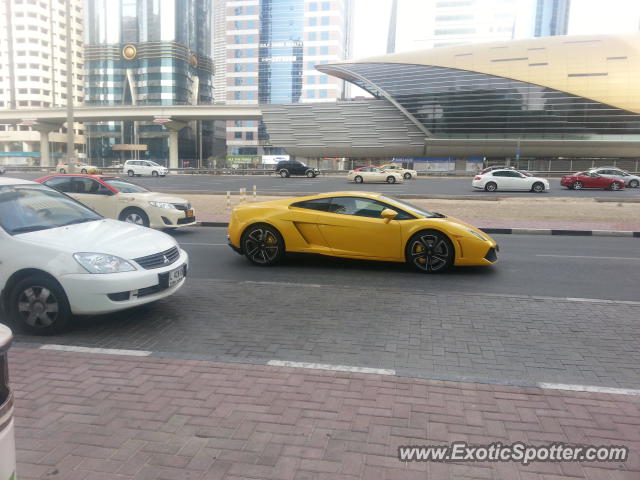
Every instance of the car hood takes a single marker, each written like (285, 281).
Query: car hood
(155, 197)
(113, 237)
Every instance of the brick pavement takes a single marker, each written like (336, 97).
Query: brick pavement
(90, 416)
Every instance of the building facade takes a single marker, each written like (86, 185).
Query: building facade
(33, 64)
(272, 47)
(143, 52)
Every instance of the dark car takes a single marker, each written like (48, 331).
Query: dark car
(581, 180)
(286, 168)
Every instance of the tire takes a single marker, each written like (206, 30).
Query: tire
(391, 179)
(130, 173)
(262, 244)
(84, 171)
(576, 185)
(407, 176)
(284, 173)
(39, 306)
(154, 174)
(134, 215)
(634, 184)
(63, 171)
(490, 187)
(615, 186)
(429, 251)
(358, 179)
(310, 174)
(537, 187)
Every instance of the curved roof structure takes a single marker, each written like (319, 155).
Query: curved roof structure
(571, 86)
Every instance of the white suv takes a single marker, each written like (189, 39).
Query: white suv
(60, 258)
(144, 167)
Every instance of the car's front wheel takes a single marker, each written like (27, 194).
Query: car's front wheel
(634, 183)
(615, 186)
(134, 215)
(391, 179)
(154, 174)
(262, 244)
(407, 176)
(63, 171)
(491, 187)
(358, 179)
(131, 173)
(537, 187)
(310, 174)
(39, 305)
(84, 171)
(429, 251)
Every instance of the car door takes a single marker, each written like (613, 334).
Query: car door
(594, 180)
(518, 181)
(353, 227)
(501, 179)
(94, 195)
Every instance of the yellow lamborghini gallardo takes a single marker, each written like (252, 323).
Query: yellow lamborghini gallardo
(359, 225)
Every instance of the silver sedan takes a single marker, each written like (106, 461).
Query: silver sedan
(630, 180)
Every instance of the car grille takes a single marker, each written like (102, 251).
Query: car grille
(157, 260)
(182, 221)
(182, 206)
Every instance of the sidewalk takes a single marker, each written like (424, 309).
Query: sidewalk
(97, 416)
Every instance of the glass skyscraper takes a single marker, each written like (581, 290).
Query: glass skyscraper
(148, 52)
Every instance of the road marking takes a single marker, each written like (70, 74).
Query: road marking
(205, 244)
(334, 368)
(587, 256)
(105, 351)
(589, 388)
(285, 284)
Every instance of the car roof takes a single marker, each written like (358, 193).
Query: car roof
(15, 181)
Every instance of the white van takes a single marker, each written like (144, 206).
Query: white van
(144, 167)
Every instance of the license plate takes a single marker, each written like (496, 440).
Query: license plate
(190, 213)
(175, 276)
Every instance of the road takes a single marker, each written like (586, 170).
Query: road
(554, 309)
(302, 185)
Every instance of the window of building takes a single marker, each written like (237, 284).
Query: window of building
(237, 81)
(323, 94)
(237, 135)
(251, 24)
(249, 135)
(324, 21)
(311, 94)
(238, 53)
(237, 95)
(237, 39)
(311, 79)
(324, 79)
(311, 51)
(238, 11)
(326, 6)
(324, 50)
(324, 35)
(313, 21)
(312, 36)
(251, 95)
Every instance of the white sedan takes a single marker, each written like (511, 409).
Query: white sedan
(60, 258)
(507, 179)
(373, 174)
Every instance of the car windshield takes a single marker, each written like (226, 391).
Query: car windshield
(28, 208)
(410, 208)
(123, 186)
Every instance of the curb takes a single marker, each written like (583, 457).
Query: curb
(517, 231)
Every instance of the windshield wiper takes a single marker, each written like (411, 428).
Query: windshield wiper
(78, 220)
(30, 228)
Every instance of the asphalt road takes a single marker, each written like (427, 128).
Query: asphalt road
(554, 309)
(302, 185)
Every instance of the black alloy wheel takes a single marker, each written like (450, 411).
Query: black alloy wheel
(262, 244)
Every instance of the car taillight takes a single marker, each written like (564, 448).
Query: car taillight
(478, 178)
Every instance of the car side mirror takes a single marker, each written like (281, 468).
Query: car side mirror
(388, 214)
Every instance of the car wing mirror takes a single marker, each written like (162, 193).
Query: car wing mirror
(388, 214)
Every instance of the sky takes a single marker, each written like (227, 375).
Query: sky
(371, 21)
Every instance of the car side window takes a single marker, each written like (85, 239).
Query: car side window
(321, 204)
(62, 184)
(88, 186)
(363, 207)
(499, 174)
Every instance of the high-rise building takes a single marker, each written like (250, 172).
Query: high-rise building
(33, 72)
(428, 24)
(272, 47)
(149, 52)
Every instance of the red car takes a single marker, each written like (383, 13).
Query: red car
(581, 180)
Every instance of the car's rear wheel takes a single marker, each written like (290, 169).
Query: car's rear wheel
(407, 176)
(429, 251)
(537, 187)
(135, 216)
(131, 173)
(154, 174)
(62, 170)
(284, 173)
(310, 174)
(634, 183)
(262, 244)
(391, 179)
(83, 171)
(39, 305)
(615, 186)
(576, 185)
(358, 179)
(491, 187)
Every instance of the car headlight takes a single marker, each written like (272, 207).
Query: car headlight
(166, 205)
(473, 232)
(102, 263)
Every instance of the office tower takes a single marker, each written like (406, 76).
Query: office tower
(272, 47)
(149, 52)
(33, 72)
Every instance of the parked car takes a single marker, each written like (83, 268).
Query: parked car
(374, 174)
(140, 168)
(509, 179)
(120, 199)
(629, 179)
(405, 172)
(60, 258)
(77, 167)
(286, 168)
(581, 180)
(359, 225)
